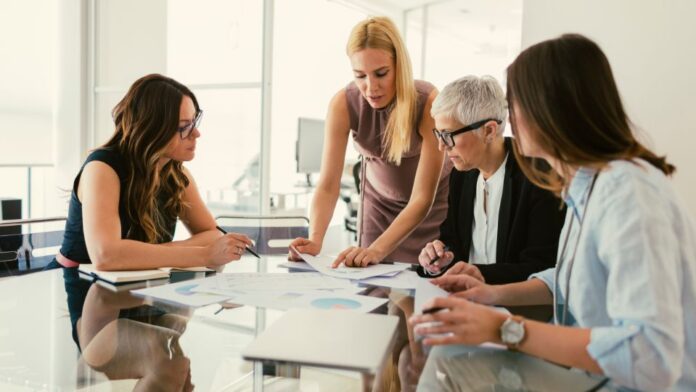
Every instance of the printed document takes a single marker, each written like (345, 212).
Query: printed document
(323, 265)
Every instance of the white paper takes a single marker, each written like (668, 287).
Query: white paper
(404, 280)
(299, 265)
(235, 283)
(323, 265)
(181, 293)
(313, 300)
(425, 291)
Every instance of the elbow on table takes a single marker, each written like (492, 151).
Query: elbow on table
(103, 257)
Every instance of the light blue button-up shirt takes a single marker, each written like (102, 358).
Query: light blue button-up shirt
(634, 276)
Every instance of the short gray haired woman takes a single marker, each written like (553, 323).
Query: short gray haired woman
(499, 227)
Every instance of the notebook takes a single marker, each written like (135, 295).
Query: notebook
(89, 271)
(339, 339)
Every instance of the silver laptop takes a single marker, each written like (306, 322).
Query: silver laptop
(339, 339)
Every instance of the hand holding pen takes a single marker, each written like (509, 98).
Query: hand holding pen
(435, 256)
(231, 246)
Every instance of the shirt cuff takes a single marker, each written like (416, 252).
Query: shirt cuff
(611, 348)
(547, 276)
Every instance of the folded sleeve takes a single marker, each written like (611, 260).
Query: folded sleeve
(547, 276)
(643, 348)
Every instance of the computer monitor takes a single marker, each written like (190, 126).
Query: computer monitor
(308, 150)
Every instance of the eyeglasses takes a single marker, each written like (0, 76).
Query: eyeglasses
(448, 137)
(187, 129)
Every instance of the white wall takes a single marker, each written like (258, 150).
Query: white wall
(309, 66)
(26, 81)
(650, 45)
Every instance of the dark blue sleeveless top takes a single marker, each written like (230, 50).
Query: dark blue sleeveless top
(74, 247)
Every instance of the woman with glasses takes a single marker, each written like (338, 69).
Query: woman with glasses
(403, 184)
(624, 286)
(130, 191)
(500, 228)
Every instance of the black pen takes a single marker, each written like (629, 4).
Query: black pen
(248, 249)
(445, 249)
(432, 310)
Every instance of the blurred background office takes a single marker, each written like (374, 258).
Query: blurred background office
(265, 70)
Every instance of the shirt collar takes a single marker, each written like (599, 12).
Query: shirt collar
(498, 176)
(575, 196)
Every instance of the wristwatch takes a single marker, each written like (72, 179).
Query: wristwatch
(512, 332)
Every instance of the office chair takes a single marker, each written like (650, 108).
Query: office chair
(350, 221)
(271, 234)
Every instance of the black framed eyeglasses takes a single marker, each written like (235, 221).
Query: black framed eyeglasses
(187, 129)
(448, 137)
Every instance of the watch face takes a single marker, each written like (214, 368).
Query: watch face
(512, 332)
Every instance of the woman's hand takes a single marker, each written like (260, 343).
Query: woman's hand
(463, 322)
(229, 247)
(464, 268)
(303, 245)
(468, 287)
(358, 257)
(431, 251)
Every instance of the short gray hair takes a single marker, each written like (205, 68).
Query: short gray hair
(470, 99)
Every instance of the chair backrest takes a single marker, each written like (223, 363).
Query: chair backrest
(271, 234)
(28, 245)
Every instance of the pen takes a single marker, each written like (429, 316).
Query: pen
(248, 249)
(445, 249)
(432, 310)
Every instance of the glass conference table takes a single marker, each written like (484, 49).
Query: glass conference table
(131, 343)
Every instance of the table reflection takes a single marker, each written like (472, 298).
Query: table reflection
(121, 338)
(412, 366)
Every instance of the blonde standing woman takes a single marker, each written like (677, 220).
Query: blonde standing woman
(402, 181)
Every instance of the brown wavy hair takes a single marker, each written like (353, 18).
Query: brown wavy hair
(565, 89)
(146, 120)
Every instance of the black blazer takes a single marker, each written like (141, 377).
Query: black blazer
(530, 222)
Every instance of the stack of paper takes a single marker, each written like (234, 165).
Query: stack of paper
(322, 288)
(393, 276)
(268, 290)
(322, 264)
(233, 284)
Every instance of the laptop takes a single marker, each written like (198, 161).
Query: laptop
(338, 339)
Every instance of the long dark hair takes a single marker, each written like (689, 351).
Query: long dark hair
(566, 91)
(146, 120)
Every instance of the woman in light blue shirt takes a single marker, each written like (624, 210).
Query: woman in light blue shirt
(624, 286)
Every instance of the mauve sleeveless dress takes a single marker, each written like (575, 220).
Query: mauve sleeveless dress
(385, 187)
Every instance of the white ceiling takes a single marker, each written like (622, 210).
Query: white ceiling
(486, 24)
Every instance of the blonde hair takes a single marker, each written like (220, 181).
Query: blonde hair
(381, 33)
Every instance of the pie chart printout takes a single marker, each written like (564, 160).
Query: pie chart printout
(335, 303)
